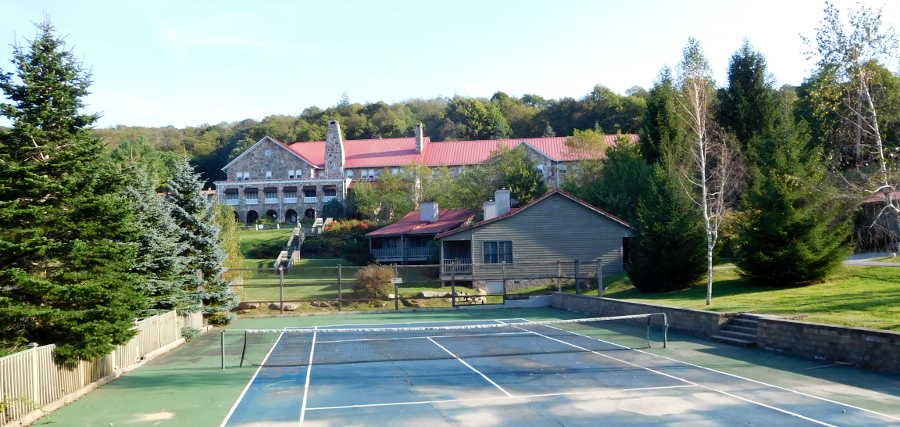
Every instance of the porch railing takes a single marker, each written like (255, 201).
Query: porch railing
(457, 265)
(312, 199)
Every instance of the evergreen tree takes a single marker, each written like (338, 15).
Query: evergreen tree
(161, 258)
(548, 132)
(748, 99)
(661, 128)
(669, 244)
(192, 212)
(615, 183)
(797, 227)
(67, 232)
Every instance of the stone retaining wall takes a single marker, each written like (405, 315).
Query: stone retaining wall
(692, 322)
(868, 348)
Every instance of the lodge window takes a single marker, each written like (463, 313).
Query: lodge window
(232, 199)
(246, 176)
(268, 174)
(290, 173)
(349, 173)
(395, 171)
(497, 252)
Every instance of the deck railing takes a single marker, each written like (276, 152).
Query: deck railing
(457, 266)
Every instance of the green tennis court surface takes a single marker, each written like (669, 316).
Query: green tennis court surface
(693, 382)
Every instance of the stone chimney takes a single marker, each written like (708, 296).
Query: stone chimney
(490, 210)
(502, 198)
(334, 151)
(429, 211)
(420, 139)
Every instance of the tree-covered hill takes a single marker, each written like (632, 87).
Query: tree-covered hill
(502, 116)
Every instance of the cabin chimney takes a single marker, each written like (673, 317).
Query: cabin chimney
(502, 198)
(490, 210)
(429, 211)
(420, 139)
(334, 151)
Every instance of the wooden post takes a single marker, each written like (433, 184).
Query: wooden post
(281, 286)
(340, 291)
(599, 277)
(453, 287)
(577, 283)
(503, 268)
(558, 276)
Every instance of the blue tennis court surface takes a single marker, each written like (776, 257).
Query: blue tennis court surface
(624, 387)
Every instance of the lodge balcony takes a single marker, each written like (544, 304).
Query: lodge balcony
(389, 255)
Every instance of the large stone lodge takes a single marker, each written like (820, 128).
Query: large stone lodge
(285, 182)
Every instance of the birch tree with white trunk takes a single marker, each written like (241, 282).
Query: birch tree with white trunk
(853, 56)
(706, 161)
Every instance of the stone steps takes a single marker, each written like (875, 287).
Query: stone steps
(739, 331)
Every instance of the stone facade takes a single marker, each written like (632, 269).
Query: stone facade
(271, 166)
(269, 157)
(334, 151)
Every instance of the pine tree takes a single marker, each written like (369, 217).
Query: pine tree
(161, 258)
(669, 243)
(797, 226)
(548, 132)
(662, 128)
(748, 99)
(67, 232)
(192, 212)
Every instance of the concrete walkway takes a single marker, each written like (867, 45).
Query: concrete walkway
(868, 260)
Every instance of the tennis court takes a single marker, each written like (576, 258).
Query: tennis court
(505, 372)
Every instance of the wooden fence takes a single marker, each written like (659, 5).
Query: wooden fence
(30, 380)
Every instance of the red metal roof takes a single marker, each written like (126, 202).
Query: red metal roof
(412, 223)
(515, 211)
(379, 153)
(880, 197)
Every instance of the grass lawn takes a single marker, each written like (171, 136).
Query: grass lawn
(250, 238)
(316, 279)
(854, 296)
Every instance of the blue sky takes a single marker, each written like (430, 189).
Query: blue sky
(185, 63)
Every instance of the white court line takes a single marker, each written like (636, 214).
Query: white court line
(742, 378)
(682, 379)
(247, 387)
(422, 338)
(470, 367)
(481, 399)
(312, 349)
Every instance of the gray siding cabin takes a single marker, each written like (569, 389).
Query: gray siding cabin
(555, 227)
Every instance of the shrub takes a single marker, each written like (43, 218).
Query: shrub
(333, 209)
(374, 281)
(189, 333)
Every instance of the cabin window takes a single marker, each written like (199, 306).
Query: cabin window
(497, 252)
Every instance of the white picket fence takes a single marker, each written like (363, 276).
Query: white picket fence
(30, 380)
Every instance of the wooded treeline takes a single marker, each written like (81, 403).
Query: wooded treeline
(502, 116)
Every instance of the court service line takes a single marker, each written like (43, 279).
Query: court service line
(470, 367)
(738, 377)
(530, 396)
(682, 379)
(247, 387)
(312, 349)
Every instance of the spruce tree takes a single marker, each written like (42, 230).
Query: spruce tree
(161, 258)
(669, 244)
(797, 226)
(662, 128)
(67, 232)
(748, 99)
(192, 212)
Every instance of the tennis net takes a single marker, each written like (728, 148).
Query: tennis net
(301, 347)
